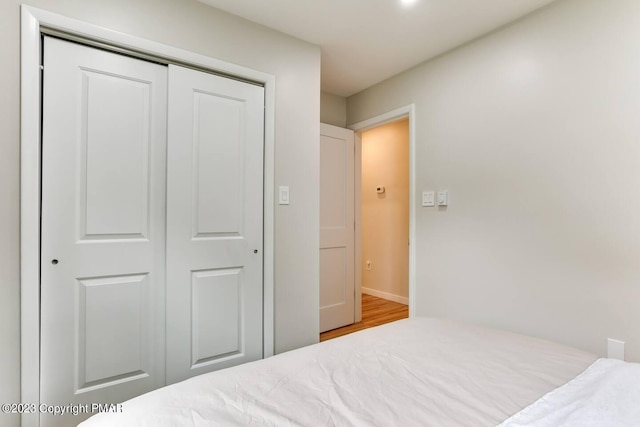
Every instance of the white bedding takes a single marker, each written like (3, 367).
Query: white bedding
(606, 394)
(414, 372)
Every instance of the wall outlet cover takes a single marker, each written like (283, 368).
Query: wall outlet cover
(615, 349)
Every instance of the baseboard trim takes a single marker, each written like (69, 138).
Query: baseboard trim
(386, 295)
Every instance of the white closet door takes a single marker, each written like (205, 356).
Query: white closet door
(337, 229)
(103, 238)
(214, 223)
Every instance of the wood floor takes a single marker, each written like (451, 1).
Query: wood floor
(375, 311)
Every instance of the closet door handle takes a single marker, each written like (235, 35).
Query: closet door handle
(255, 251)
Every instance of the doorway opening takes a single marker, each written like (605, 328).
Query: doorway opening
(384, 220)
(384, 211)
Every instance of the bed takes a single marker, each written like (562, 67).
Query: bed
(413, 372)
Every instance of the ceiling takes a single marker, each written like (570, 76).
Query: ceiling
(366, 41)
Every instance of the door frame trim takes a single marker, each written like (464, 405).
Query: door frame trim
(33, 20)
(408, 111)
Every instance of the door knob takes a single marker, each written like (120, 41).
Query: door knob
(255, 251)
(54, 261)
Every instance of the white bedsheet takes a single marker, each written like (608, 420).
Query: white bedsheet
(414, 372)
(606, 394)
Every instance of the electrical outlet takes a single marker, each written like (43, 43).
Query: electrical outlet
(615, 349)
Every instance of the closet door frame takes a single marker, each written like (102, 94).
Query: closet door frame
(35, 22)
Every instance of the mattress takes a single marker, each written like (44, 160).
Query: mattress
(413, 372)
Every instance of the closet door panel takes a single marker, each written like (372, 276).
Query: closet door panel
(103, 227)
(214, 223)
(114, 130)
(218, 148)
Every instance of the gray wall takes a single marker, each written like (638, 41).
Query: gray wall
(193, 26)
(535, 132)
(333, 109)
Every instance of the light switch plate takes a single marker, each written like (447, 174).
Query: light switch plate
(283, 195)
(443, 198)
(428, 198)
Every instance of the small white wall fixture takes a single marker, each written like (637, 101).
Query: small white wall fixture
(407, 111)
(33, 22)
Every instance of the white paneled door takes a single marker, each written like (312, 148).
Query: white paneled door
(337, 228)
(103, 227)
(152, 199)
(214, 223)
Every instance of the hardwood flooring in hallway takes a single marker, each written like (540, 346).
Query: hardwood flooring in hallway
(375, 311)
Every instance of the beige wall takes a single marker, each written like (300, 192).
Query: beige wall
(385, 217)
(333, 109)
(535, 132)
(193, 26)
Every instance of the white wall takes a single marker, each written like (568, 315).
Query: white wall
(535, 132)
(193, 26)
(333, 109)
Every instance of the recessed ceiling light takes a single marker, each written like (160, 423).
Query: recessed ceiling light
(407, 2)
